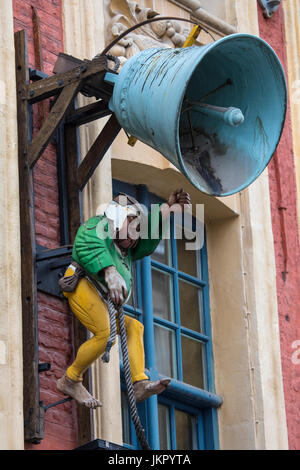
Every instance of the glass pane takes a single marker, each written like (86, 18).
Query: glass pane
(162, 253)
(162, 294)
(164, 427)
(193, 355)
(125, 418)
(165, 351)
(188, 260)
(186, 431)
(191, 306)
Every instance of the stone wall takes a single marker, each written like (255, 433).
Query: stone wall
(11, 371)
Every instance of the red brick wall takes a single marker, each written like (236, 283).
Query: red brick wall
(286, 242)
(55, 318)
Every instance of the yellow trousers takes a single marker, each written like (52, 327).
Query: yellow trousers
(92, 312)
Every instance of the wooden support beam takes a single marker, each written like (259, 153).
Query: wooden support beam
(38, 54)
(32, 410)
(89, 113)
(41, 140)
(38, 58)
(51, 86)
(97, 151)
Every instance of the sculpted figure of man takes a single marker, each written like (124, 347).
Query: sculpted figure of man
(104, 249)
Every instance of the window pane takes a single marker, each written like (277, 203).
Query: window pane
(162, 253)
(164, 427)
(188, 259)
(162, 294)
(193, 355)
(191, 306)
(165, 351)
(186, 431)
(125, 418)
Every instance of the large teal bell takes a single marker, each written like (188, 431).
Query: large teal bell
(216, 112)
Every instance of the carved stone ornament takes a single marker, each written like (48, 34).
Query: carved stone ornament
(122, 14)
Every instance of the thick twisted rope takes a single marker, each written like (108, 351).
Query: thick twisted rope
(129, 386)
(113, 329)
(130, 393)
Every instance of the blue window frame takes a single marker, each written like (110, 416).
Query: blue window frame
(171, 298)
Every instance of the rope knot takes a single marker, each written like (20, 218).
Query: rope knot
(106, 355)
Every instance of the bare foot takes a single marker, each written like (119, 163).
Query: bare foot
(77, 391)
(145, 388)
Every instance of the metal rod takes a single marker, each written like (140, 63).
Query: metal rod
(60, 402)
(37, 75)
(231, 116)
(151, 20)
(228, 82)
(62, 187)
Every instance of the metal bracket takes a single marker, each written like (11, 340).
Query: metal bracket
(38, 435)
(60, 402)
(44, 367)
(50, 266)
(269, 7)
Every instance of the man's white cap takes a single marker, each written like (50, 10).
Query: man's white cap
(117, 213)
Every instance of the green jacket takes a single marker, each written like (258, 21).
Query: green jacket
(94, 252)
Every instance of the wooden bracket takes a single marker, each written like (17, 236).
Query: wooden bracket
(28, 272)
(61, 106)
(97, 151)
(52, 85)
(63, 120)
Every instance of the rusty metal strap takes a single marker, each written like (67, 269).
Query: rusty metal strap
(51, 86)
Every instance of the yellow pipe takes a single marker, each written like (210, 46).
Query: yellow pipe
(190, 40)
